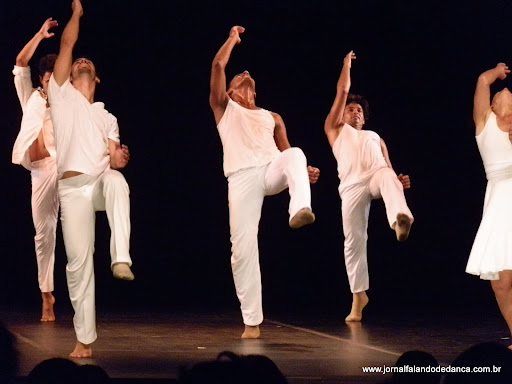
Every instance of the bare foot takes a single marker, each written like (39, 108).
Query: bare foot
(402, 226)
(251, 332)
(48, 301)
(359, 301)
(81, 350)
(303, 217)
(122, 271)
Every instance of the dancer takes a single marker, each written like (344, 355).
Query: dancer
(491, 255)
(258, 162)
(365, 173)
(34, 148)
(87, 143)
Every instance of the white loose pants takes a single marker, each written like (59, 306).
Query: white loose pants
(80, 197)
(355, 207)
(246, 190)
(45, 210)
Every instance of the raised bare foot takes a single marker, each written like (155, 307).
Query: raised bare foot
(402, 226)
(251, 332)
(81, 350)
(303, 217)
(122, 271)
(48, 301)
(359, 301)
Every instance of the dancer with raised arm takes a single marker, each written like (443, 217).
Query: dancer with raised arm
(365, 174)
(88, 152)
(34, 148)
(258, 162)
(491, 255)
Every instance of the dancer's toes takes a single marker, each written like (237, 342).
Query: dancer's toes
(47, 310)
(303, 217)
(122, 271)
(251, 332)
(402, 226)
(354, 317)
(81, 350)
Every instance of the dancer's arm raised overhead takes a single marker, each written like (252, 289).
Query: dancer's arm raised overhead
(482, 98)
(334, 121)
(28, 50)
(23, 82)
(218, 96)
(68, 40)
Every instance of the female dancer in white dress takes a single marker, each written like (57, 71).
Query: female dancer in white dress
(491, 256)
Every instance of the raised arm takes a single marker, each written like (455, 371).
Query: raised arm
(69, 37)
(482, 98)
(28, 50)
(22, 78)
(334, 120)
(218, 95)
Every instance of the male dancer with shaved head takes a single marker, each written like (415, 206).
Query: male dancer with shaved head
(88, 152)
(258, 162)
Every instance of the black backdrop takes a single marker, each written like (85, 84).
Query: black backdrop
(417, 63)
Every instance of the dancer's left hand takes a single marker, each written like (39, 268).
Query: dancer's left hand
(404, 179)
(510, 133)
(121, 156)
(314, 174)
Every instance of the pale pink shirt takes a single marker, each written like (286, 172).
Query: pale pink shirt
(247, 137)
(36, 117)
(82, 130)
(359, 156)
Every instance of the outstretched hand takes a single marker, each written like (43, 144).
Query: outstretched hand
(313, 174)
(502, 71)
(47, 25)
(235, 33)
(404, 179)
(76, 6)
(347, 61)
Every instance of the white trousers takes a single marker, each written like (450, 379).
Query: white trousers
(80, 197)
(45, 210)
(246, 191)
(355, 207)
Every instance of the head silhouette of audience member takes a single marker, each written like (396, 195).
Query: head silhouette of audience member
(55, 371)
(493, 356)
(413, 359)
(93, 374)
(8, 356)
(230, 368)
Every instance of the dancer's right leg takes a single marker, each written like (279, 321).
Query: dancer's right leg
(78, 220)
(355, 208)
(503, 291)
(245, 196)
(45, 208)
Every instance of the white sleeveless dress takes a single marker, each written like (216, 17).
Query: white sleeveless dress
(492, 249)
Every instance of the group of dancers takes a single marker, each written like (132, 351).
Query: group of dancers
(71, 145)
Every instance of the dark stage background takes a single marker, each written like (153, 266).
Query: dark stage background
(417, 63)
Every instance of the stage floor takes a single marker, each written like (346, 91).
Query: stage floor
(145, 345)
